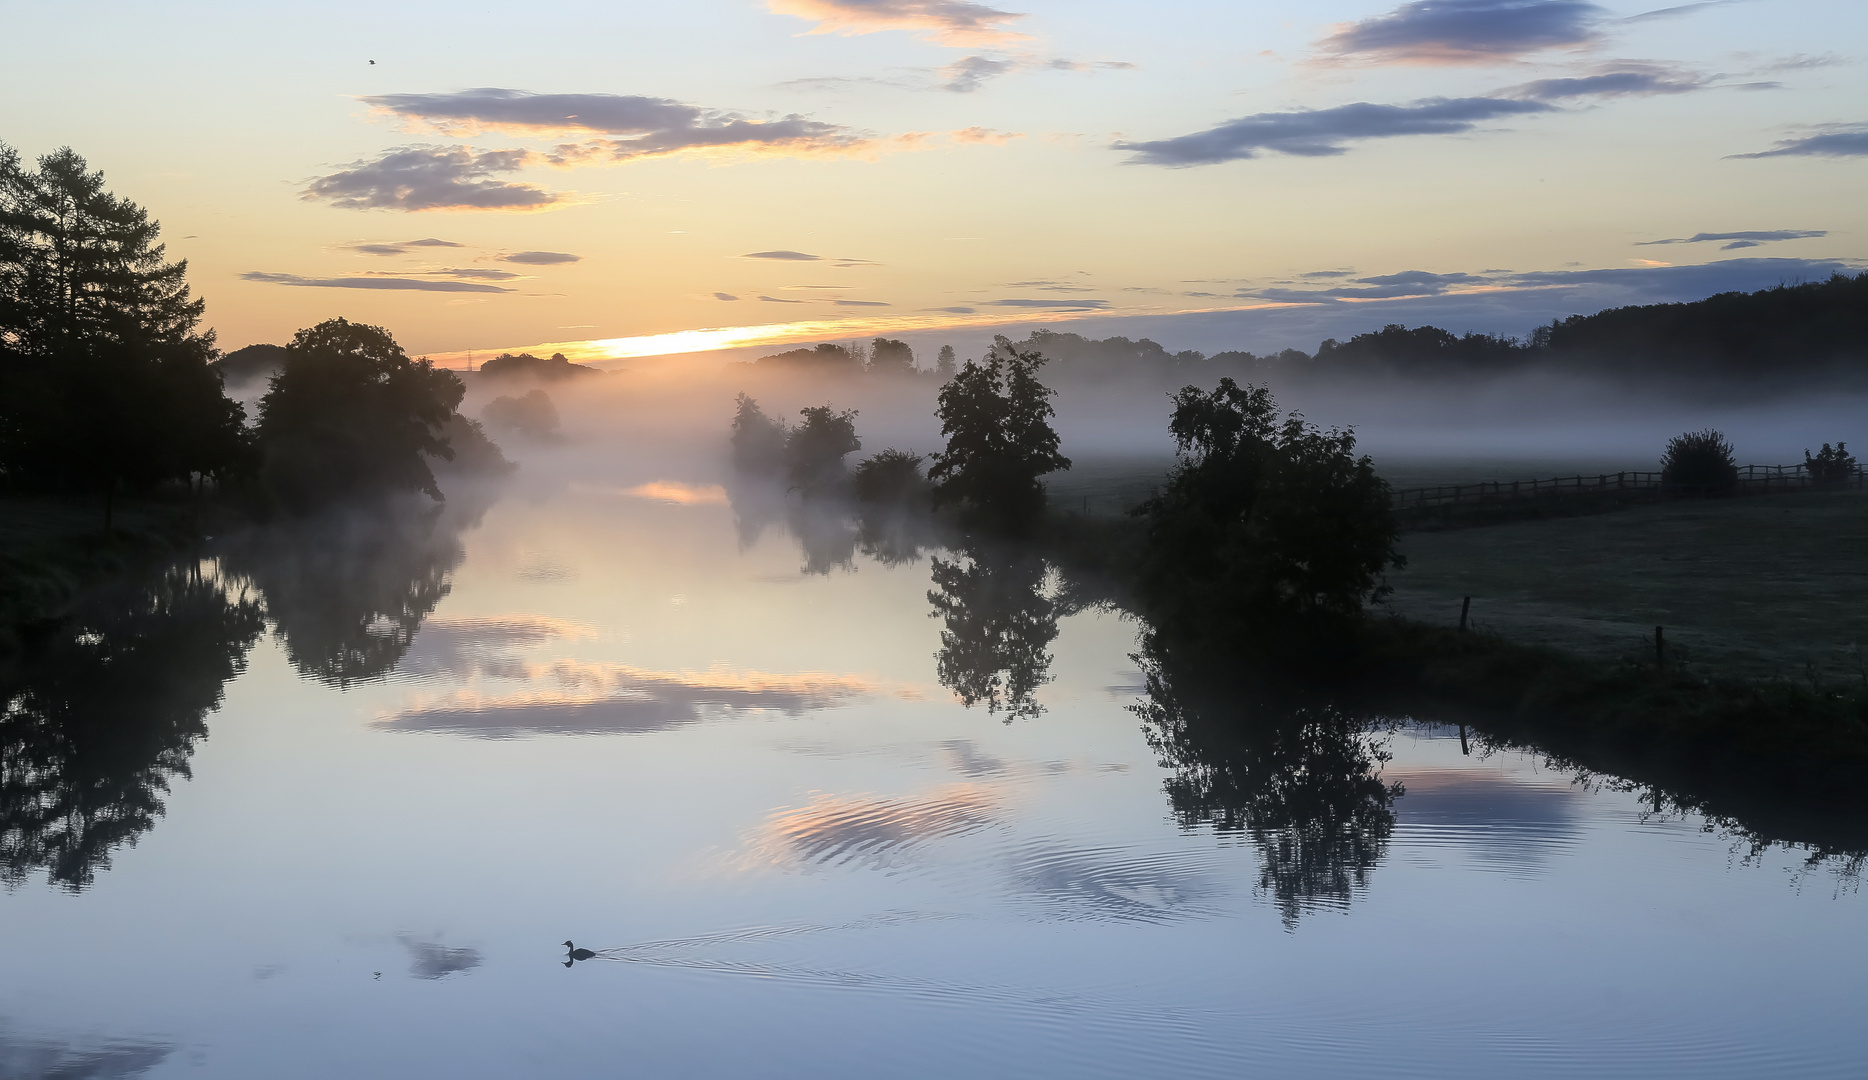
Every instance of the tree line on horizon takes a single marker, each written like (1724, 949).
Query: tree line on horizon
(1809, 330)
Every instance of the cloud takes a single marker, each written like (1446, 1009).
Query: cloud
(1834, 140)
(779, 300)
(1467, 31)
(957, 310)
(473, 273)
(417, 178)
(1056, 305)
(405, 283)
(861, 303)
(1049, 286)
(1741, 239)
(955, 23)
(540, 258)
(783, 256)
(400, 247)
(969, 73)
(1679, 10)
(643, 126)
(984, 135)
(1322, 132)
(724, 296)
(1629, 285)
(1620, 80)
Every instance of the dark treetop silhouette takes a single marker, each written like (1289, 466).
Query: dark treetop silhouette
(996, 418)
(104, 378)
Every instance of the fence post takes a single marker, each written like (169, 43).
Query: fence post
(1464, 607)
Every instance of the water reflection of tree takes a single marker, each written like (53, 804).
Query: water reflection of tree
(999, 621)
(1302, 780)
(98, 718)
(346, 594)
(832, 531)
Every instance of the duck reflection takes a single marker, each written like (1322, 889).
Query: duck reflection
(999, 621)
(1301, 779)
(101, 713)
(347, 593)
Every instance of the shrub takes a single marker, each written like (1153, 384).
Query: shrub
(1699, 462)
(891, 476)
(1263, 523)
(532, 415)
(814, 450)
(1831, 466)
(758, 439)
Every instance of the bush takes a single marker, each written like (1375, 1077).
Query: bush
(1263, 523)
(891, 476)
(758, 439)
(1699, 462)
(1832, 465)
(532, 416)
(814, 450)
(996, 417)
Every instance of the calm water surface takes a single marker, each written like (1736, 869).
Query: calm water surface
(652, 721)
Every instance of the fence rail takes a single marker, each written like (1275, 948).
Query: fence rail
(1642, 486)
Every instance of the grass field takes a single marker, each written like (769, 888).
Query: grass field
(1770, 586)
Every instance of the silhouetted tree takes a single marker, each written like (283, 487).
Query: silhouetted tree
(349, 415)
(893, 476)
(997, 624)
(1699, 463)
(104, 378)
(1831, 465)
(888, 357)
(100, 718)
(944, 363)
(1262, 521)
(531, 415)
(758, 439)
(814, 450)
(1302, 780)
(525, 365)
(996, 417)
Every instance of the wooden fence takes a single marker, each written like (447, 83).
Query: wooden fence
(1610, 487)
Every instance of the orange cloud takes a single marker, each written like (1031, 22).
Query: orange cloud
(955, 23)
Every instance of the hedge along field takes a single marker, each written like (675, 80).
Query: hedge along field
(1752, 588)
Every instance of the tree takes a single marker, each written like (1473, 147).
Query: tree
(997, 624)
(758, 439)
(531, 415)
(944, 363)
(350, 415)
(893, 476)
(888, 357)
(814, 450)
(1262, 522)
(104, 377)
(996, 417)
(1699, 463)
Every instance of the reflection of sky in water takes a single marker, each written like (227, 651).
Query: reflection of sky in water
(808, 859)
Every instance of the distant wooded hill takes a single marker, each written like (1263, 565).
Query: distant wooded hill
(1787, 337)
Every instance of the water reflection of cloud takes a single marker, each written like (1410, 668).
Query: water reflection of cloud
(1111, 883)
(1508, 825)
(593, 698)
(43, 1058)
(483, 646)
(970, 760)
(432, 960)
(834, 830)
(683, 494)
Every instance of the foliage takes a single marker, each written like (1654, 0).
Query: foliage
(350, 415)
(531, 415)
(814, 449)
(996, 418)
(1699, 462)
(1832, 465)
(997, 624)
(474, 453)
(104, 378)
(891, 476)
(825, 359)
(758, 439)
(1262, 521)
(944, 363)
(105, 714)
(525, 365)
(888, 357)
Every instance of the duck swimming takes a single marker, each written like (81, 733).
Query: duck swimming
(577, 954)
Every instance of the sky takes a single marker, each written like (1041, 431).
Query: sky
(624, 179)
